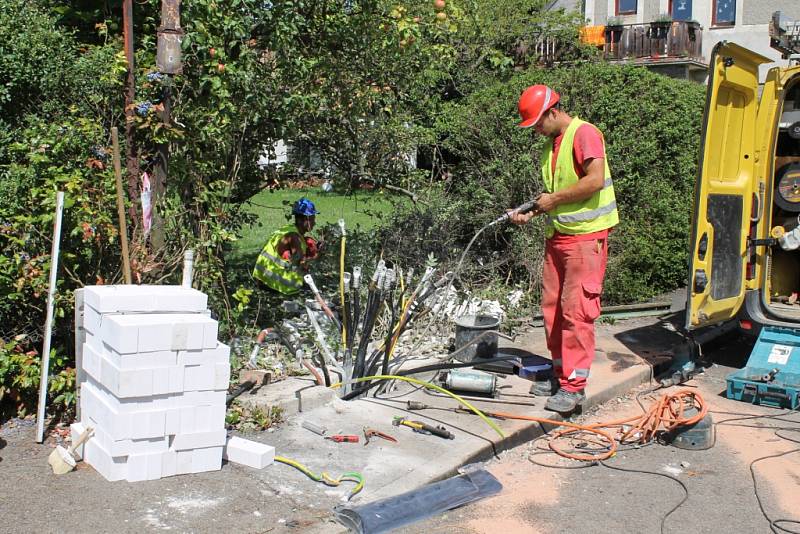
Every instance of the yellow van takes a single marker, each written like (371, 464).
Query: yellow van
(745, 257)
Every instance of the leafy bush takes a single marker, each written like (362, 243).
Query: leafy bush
(651, 125)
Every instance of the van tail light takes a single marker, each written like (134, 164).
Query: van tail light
(745, 324)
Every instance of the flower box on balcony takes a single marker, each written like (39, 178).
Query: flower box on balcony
(659, 29)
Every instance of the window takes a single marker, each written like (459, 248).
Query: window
(680, 9)
(724, 13)
(626, 7)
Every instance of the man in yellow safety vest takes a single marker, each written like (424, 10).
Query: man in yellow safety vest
(580, 209)
(285, 257)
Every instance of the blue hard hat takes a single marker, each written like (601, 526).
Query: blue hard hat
(304, 207)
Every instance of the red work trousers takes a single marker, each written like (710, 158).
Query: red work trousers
(573, 280)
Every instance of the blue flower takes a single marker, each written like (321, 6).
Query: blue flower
(154, 77)
(143, 108)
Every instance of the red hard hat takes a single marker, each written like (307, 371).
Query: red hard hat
(533, 102)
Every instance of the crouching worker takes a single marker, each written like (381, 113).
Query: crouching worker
(286, 256)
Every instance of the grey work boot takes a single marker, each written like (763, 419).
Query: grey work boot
(565, 401)
(544, 388)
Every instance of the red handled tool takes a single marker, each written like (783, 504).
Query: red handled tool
(343, 438)
(371, 432)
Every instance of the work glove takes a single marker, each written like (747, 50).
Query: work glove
(312, 250)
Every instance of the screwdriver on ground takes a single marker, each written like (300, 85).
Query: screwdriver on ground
(343, 438)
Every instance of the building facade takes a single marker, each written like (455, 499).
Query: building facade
(745, 22)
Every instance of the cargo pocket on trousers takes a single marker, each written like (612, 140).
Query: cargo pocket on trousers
(591, 300)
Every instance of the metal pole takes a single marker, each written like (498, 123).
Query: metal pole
(169, 62)
(48, 324)
(131, 160)
(123, 227)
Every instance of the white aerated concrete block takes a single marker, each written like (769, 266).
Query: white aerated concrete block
(222, 376)
(208, 459)
(144, 424)
(198, 377)
(122, 383)
(249, 453)
(169, 463)
(138, 360)
(130, 298)
(91, 319)
(144, 467)
(128, 334)
(112, 468)
(210, 418)
(183, 462)
(219, 354)
(200, 440)
(126, 447)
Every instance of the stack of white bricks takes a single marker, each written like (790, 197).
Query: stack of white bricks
(154, 381)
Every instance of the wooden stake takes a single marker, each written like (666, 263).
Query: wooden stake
(123, 228)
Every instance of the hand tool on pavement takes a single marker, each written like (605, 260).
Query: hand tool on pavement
(346, 438)
(370, 432)
(61, 459)
(416, 405)
(314, 427)
(424, 428)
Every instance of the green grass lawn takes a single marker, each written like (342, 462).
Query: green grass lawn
(359, 210)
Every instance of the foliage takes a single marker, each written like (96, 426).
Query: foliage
(362, 84)
(257, 419)
(652, 154)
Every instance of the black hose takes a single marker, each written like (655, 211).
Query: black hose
(370, 316)
(325, 373)
(347, 327)
(241, 388)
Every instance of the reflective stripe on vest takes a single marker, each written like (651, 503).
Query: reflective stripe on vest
(275, 272)
(597, 212)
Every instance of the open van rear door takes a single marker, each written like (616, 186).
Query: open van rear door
(724, 188)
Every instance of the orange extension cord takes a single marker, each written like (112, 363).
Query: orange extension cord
(666, 414)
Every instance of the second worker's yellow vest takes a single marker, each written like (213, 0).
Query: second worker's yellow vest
(281, 275)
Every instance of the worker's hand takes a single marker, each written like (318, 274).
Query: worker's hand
(520, 218)
(312, 249)
(545, 202)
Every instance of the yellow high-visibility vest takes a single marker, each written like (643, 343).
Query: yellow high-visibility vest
(596, 213)
(275, 272)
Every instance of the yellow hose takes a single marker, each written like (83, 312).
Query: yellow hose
(429, 386)
(325, 478)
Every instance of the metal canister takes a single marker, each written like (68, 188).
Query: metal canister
(466, 380)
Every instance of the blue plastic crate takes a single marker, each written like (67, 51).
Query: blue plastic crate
(772, 374)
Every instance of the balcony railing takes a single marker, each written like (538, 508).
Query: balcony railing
(653, 42)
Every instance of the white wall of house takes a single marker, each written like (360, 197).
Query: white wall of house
(751, 29)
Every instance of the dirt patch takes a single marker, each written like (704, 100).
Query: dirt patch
(623, 360)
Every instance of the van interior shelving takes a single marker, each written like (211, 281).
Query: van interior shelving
(783, 283)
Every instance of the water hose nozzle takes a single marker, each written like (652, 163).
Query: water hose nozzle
(522, 208)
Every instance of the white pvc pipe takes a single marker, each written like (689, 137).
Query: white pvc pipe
(188, 268)
(48, 324)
